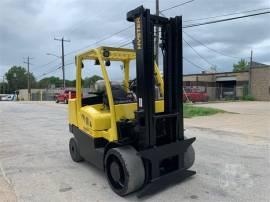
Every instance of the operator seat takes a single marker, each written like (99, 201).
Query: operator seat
(119, 94)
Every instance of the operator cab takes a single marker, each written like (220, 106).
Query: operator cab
(120, 95)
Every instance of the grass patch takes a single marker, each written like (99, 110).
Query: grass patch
(192, 111)
(248, 98)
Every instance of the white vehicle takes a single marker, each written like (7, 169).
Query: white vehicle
(8, 98)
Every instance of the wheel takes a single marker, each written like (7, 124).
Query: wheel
(124, 170)
(189, 156)
(74, 150)
(57, 101)
(66, 101)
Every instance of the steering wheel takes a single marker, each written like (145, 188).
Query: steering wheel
(133, 85)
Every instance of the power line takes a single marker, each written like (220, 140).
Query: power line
(125, 44)
(178, 5)
(51, 71)
(224, 15)
(192, 25)
(103, 39)
(226, 19)
(120, 42)
(195, 65)
(204, 69)
(123, 30)
(216, 51)
(211, 64)
(186, 26)
(46, 64)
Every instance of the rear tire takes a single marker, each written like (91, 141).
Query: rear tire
(124, 170)
(74, 150)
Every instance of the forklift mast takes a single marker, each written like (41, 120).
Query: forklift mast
(166, 127)
(161, 142)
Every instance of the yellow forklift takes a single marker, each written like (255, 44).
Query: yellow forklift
(126, 129)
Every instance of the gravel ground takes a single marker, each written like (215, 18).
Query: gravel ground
(232, 157)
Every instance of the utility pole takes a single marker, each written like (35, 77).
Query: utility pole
(63, 59)
(157, 33)
(28, 77)
(250, 72)
(3, 84)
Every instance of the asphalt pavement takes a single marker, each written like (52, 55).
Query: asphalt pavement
(35, 164)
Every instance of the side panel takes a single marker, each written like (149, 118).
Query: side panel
(87, 147)
(126, 111)
(95, 118)
(72, 112)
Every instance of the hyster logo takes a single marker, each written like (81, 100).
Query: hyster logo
(138, 33)
(86, 121)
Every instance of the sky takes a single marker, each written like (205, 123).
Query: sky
(28, 28)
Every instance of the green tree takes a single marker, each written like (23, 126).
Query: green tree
(17, 78)
(70, 83)
(90, 81)
(48, 82)
(242, 65)
(3, 87)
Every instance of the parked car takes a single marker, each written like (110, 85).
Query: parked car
(65, 95)
(195, 94)
(8, 98)
(195, 97)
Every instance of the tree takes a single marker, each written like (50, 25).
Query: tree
(56, 82)
(242, 65)
(49, 82)
(3, 87)
(17, 78)
(90, 81)
(70, 83)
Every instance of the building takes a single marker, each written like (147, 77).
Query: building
(260, 82)
(233, 85)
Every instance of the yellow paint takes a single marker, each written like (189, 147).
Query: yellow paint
(96, 120)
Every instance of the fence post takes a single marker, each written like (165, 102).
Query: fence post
(41, 92)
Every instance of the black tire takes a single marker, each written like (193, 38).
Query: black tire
(57, 101)
(74, 150)
(189, 156)
(124, 170)
(66, 101)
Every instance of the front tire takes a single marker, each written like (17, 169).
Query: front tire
(189, 156)
(124, 170)
(74, 150)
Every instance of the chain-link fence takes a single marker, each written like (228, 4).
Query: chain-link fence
(201, 93)
(43, 96)
(49, 94)
(221, 93)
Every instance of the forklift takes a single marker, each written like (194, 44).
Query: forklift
(123, 129)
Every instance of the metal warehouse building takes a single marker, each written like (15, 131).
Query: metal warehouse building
(233, 85)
